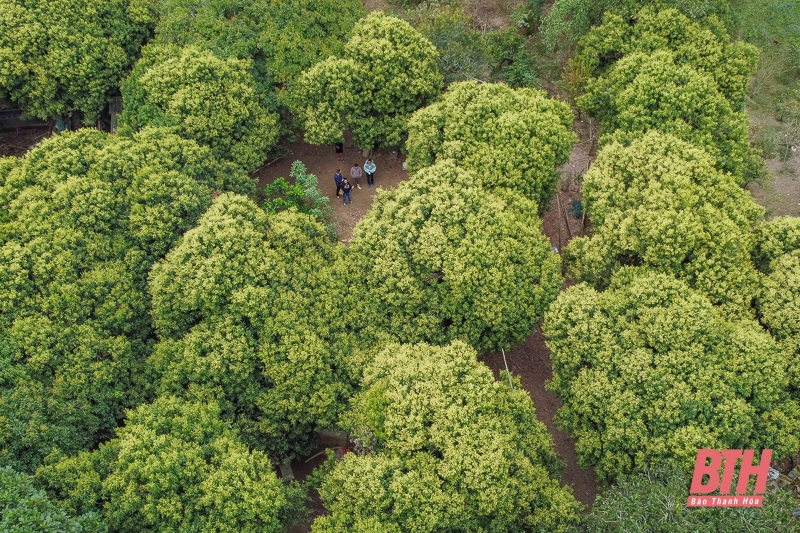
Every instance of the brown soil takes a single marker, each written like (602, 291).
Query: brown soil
(17, 142)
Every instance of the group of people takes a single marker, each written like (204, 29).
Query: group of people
(344, 186)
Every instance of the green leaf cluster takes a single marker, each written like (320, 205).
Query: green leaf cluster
(705, 46)
(82, 218)
(237, 304)
(175, 466)
(387, 71)
(650, 371)
(281, 37)
(304, 195)
(60, 56)
(651, 502)
(568, 21)
(509, 138)
(204, 98)
(455, 450)
(653, 91)
(660, 202)
(26, 509)
(446, 259)
(777, 253)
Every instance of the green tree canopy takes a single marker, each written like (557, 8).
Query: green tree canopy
(509, 138)
(661, 203)
(82, 218)
(26, 509)
(650, 502)
(704, 46)
(175, 466)
(282, 37)
(448, 448)
(446, 260)
(644, 92)
(775, 238)
(201, 97)
(58, 56)
(777, 254)
(240, 307)
(388, 70)
(569, 20)
(649, 371)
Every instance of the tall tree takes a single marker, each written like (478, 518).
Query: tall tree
(203, 98)
(82, 218)
(661, 203)
(446, 260)
(241, 307)
(445, 448)
(388, 70)
(176, 466)
(644, 92)
(649, 372)
(509, 138)
(59, 56)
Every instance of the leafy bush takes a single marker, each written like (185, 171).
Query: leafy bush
(303, 195)
(455, 450)
(509, 138)
(446, 260)
(649, 371)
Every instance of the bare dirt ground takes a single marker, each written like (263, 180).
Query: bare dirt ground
(322, 162)
(780, 194)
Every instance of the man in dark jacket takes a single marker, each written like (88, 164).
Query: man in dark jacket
(339, 179)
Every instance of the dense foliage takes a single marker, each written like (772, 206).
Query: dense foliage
(705, 46)
(569, 20)
(237, 304)
(58, 56)
(282, 37)
(448, 448)
(26, 509)
(304, 195)
(510, 138)
(446, 260)
(82, 218)
(650, 371)
(661, 203)
(777, 254)
(650, 502)
(203, 98)
(176, 466)
(644, 92)
(387, 71)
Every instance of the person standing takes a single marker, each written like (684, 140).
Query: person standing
(339, 179)
(355, 173)
(339, 149)
(346, 188)
(369, 170)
